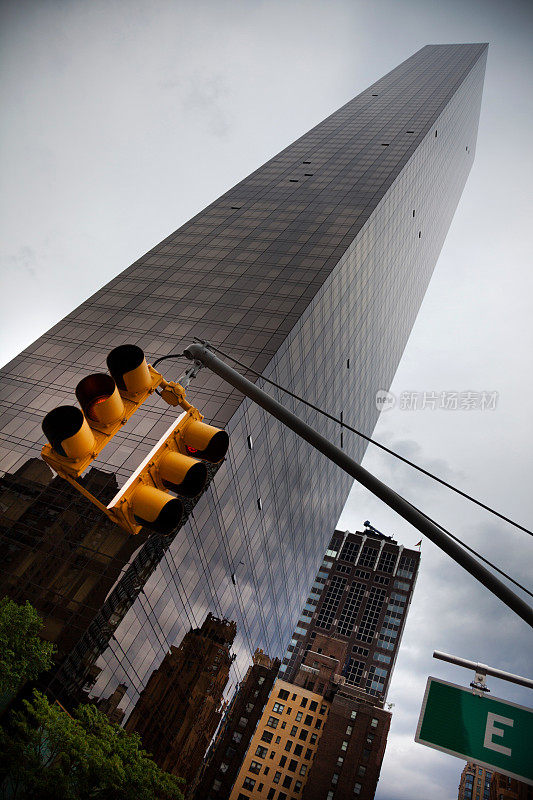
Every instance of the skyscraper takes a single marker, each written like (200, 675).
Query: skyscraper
(360, 597)
(324, 729)
(311, 270)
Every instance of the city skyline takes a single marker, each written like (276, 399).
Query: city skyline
(415, 434)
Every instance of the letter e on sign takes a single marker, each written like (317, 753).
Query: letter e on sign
(491, 730)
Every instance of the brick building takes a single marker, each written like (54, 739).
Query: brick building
(504, 788)
(323, 732)
(239, 722)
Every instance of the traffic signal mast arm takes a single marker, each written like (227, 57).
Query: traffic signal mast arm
(202, 355)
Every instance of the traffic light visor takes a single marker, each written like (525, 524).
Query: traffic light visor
(68, 432)
(182, 474)
(155, 509)
(128, 367)
(205, 441)
(99, 398)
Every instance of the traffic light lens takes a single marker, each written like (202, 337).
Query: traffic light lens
(156, 510)
(67, 431)
(96, 402)
(205, 441)
(129, 369)
(99, 398)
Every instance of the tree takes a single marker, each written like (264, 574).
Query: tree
(23, 654)
(54, 756)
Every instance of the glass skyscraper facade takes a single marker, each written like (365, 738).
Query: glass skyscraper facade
(311, 271)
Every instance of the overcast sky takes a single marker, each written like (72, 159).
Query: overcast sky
(122, 119)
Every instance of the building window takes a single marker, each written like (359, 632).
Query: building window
(283, 694)
(298, 750)
(361, 770)
(216, 785)
(299, 716)
(237, 737)
(308, 719)
(249, 783)
(353, 715)
(277, 776)
(303, 702)
(278, 739)
(271, 793)
(287, 780)
(344, 746)
(340, 761)
(272, 722)
(283, 761)
(374, 722)
(308, 754)
(313, 738)
(335, 778)
(313, 705)
(278, 708)
(283, 725)
(318, 723)
(223, 767)
(297, 786)
(255, 767)
(303, 769)
(292, 765)
(330, 795)
(294, 730)
(303, 735)
(261, 752)
(349, 730)
(261, 680)
(266, 737)
(289, 710)
(249, 708)
(243, 722)
(357, 788)
(266, 770)
(288, 745)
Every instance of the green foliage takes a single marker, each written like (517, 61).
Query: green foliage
(23, 654)
(50, 755)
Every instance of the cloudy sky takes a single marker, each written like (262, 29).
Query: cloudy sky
(123, 118)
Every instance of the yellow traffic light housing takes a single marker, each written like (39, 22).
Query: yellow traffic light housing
(107, 402)
(176, 464)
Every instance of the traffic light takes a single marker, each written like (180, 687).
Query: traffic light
(107, 401)
(177, 464)
(145, 500)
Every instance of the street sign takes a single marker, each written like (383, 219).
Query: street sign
(492, 732)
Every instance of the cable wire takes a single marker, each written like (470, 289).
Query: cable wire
(396, 455)
(367, 438)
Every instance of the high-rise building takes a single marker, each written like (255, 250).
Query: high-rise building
(335, 678)
(311, 270)
(227, 751)
(181, 706)
(475, 782)
(360, 598)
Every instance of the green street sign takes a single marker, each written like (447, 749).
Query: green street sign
(488, 730)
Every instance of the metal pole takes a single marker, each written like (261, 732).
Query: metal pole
(197, 352)
(483, 668)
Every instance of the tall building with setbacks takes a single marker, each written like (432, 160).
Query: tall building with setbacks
(311, 271)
